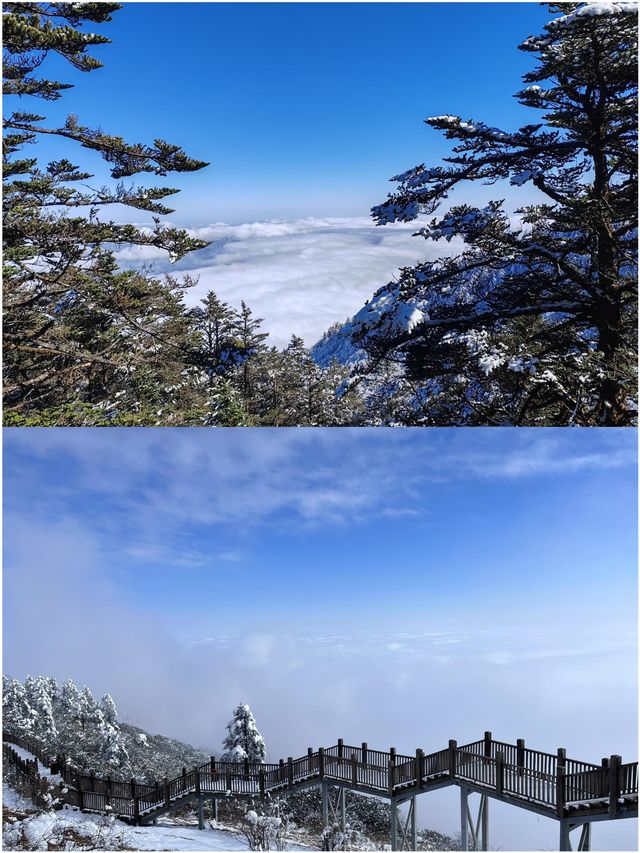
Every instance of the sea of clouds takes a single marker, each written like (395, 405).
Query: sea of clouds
(301, 275)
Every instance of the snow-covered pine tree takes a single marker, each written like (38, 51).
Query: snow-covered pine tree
(68, 717)
(18, 717)
(108, 708)
(38, 694)
(534, 323)
(243, 741)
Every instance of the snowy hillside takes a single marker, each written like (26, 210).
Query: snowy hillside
(388, 313)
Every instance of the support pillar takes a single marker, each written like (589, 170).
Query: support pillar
(325, 804)
(584, 841)
(342, 800)
(464, 817)
(485, 825)
(474, 833)
(394, 825)
(414, 838)
(403, 829)
(200, 811)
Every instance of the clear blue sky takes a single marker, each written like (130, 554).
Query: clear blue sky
(302, 109)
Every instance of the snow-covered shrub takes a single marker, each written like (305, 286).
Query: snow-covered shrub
(49, 830)
(352, 837)
(266, 831)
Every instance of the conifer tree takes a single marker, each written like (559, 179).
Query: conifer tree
(75, 327)
(534, 323)
(243, 740)
(217, 324)
(108, 708)
(38, 696)
(18, 717)
(252, 345)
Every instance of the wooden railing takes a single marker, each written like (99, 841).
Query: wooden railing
(548, 782)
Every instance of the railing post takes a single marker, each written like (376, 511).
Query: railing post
(92, 781)
(321, 761)
(136, 810)
(132, 784)
(561, 787)
(167, 793)
(390, 772)
(354, 769)
(261, 784)
(365, 753)
(419, 767)
(340, 747)
(290, 771)
(487, 744)
(309, 760)
(80, 793)
(614, 783)
(453, 746)
(520, 753)
(196, 770)
(562, 758)
(499, 773)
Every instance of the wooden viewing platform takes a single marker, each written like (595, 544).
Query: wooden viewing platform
(575, 793)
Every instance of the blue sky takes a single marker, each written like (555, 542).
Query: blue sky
(302, 109)
(339, 581)
(513, 520)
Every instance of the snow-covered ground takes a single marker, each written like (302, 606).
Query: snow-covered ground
(102, 833)
(42, 769)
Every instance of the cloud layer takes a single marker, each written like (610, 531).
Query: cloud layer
(301, 276)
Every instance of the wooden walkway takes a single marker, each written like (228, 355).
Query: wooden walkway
(550, 784)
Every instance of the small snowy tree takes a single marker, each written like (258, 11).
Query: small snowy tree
(108, 708)
(244, 741)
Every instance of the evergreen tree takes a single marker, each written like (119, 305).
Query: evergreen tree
(68, 718)
(77, 331)
(38, 695)
(244, 741)
(18, 717)
(108, 708)
(533, 323)
(252, 345)
(217, 324)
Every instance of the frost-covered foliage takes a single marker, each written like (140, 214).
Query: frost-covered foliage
(155, 756)
(334, 837)
(50, 830)
(71, 721)
(266, 828)
(64, 719)
(243, 741)
(534, 323)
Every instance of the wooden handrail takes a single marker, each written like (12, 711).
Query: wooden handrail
(511, 772)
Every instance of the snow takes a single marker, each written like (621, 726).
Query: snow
(595, 8)
(12, 799)
(522, 177)
(42, 770)
(110, 834)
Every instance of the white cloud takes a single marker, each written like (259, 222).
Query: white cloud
(300, 276)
